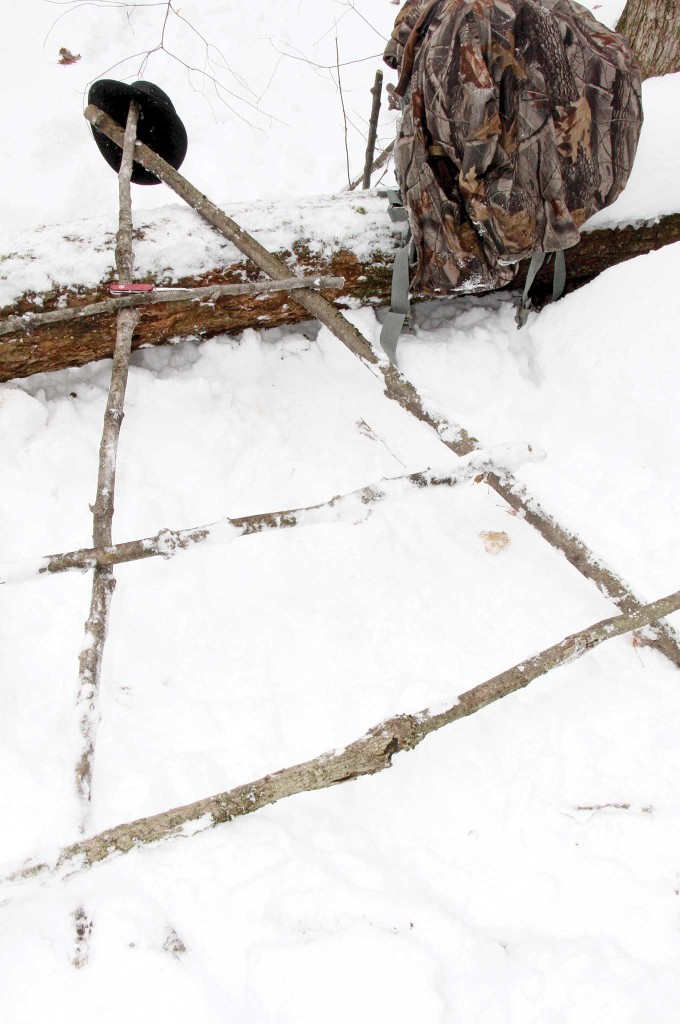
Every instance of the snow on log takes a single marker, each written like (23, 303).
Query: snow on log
(348, 235)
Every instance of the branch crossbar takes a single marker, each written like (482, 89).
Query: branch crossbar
(371, 753)
(209, 293)
(354, 507)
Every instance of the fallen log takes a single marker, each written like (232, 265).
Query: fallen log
(29, 321)
(348, 235)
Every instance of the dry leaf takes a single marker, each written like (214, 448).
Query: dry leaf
(494, 541)
(66, 57)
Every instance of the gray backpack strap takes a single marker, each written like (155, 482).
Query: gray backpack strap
(401, 273)
(399, 310)
(560, 275)
(525, 305)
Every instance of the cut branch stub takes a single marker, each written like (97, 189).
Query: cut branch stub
(376, 93)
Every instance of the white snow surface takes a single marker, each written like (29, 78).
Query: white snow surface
(521, 866)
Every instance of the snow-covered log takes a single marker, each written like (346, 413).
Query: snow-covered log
(348, 235)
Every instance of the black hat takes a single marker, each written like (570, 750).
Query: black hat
(158, 127)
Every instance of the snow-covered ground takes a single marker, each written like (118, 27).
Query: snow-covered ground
(521, 866)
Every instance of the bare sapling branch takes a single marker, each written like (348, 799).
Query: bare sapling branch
(376, 93)
(371, 753)
(354, 508)
(400, 390)
(103, 583)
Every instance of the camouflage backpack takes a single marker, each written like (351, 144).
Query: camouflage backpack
(520, 120)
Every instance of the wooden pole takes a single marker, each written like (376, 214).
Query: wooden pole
(103, 583)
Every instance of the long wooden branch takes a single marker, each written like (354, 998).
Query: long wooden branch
(354, 507)
(103, 582)
(396, 387)
(210, 293)
(370, 754)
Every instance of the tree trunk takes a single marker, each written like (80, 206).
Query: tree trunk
(653, 29)
(349, 236)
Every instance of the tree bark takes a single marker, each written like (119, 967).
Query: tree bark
(653, 29)
(40, 347)
(371, 753)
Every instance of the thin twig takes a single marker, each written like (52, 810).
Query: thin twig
(370, 754)
(161, 47)
(348, 3)
(354, 507)
(103, 583)
(376, 93)
(208, 294)
(663, 638)
(322, 67)
(342, 104)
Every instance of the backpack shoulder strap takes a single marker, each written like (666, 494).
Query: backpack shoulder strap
(401, 273)
(397, 316)
(525, 305)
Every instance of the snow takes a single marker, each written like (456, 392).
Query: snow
(600, 361)
(652, 190)
(520, 866)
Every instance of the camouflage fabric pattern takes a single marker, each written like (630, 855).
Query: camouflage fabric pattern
(520, 121)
